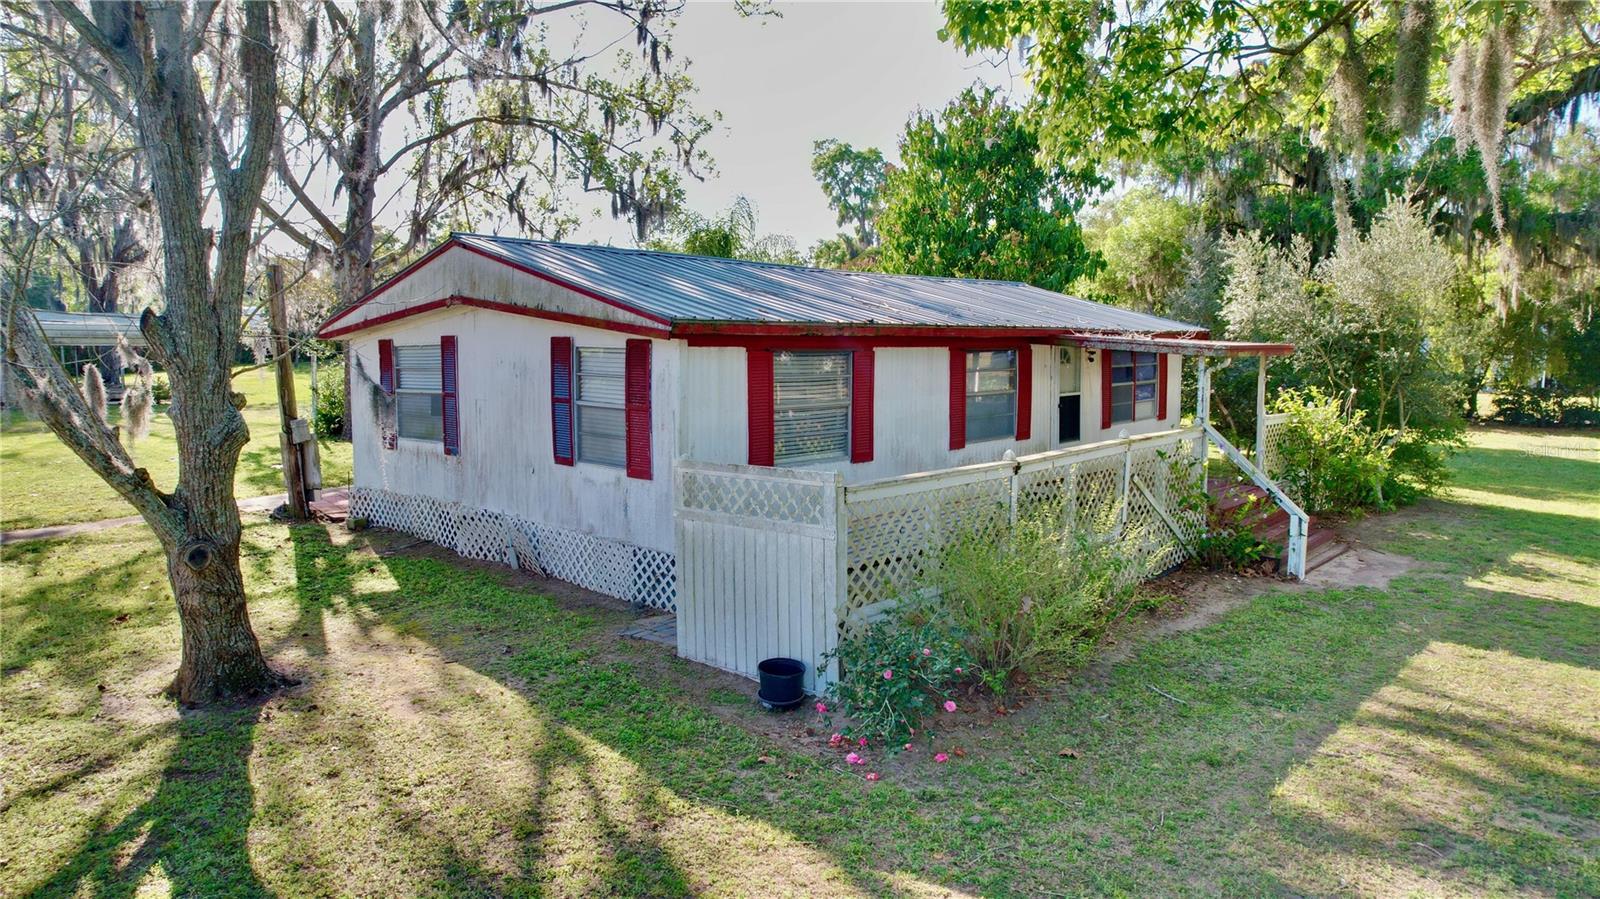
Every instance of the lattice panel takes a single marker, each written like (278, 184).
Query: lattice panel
(634, 573)
(1271, 462)
(772, 499)
(894, 539)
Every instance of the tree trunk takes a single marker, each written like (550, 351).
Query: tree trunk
(352, 258)
(221, 657)
(152, 49)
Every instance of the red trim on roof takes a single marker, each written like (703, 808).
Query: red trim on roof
(496, 306)
(406, 272)
(373, 294)
(1184, 346)
(814, 336)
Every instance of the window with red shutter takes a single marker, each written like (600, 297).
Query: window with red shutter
(1161, 387)
(1105, 389)
(758, 388)
(386, 381)
(451, 404)
(636, 393)
(958, 398)
(861, 399)
(1024, 392)
(561, 399)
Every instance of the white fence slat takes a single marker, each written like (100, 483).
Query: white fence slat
(757, 545)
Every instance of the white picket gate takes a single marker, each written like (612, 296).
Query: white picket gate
(759, 565)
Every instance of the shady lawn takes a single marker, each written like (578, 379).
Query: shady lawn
(461, 730)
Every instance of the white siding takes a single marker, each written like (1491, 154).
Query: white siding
(506, 464)
(911, 431)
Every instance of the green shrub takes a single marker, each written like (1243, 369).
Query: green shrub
(1419, 462)
(1329, 461)
(1544, 407)
(896, 671)
(1227, 543)
(1037, 598)
(330, 400)
(161, 388)
(1335, 463)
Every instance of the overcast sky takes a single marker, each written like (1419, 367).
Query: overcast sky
(852, 71)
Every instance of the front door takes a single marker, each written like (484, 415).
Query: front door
(1069, 395)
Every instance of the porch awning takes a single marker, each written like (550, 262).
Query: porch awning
(1183, 346)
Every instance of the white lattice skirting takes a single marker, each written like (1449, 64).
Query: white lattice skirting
(638, 574)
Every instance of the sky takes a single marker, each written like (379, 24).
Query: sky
(851, 71)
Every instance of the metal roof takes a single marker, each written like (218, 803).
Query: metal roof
(684, 288)
(87, 328)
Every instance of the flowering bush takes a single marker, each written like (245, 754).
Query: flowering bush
(896, 671)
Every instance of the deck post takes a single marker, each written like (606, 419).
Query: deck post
(1261, 409)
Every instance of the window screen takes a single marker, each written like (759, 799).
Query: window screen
(1133, 386)
(419, 392)
(991, 395)
(602, 423)
(810, 406)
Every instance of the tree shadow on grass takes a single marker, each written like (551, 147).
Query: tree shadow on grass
(192, 833)
(613, 796)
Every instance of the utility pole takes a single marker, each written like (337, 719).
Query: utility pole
(294, 480)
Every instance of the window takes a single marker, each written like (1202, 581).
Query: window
(1133, 386)
(419, 392)
(991, 395)
(810, 406)
(602, 421)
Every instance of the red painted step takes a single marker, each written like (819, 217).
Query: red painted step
(1270, 523)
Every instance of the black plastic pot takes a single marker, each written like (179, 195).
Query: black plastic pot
(782, 683)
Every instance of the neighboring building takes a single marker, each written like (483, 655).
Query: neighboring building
(558, 387)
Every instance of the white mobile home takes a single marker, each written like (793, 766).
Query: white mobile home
(591, 411)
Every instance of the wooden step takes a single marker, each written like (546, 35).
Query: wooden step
(1327, 552)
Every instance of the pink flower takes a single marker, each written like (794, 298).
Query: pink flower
(926, 651)
(939, 757)
(949, 705)
(854, 759)
(862, 741)
(958, 669)
(908, 747)
(872, 775)
(836, 739)
(888, 673)
(822, 708)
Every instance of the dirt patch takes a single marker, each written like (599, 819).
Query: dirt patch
(1360, 567)
(1198, 599)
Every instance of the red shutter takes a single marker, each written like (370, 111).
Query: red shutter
(1161, 387)
(861, 363)
(452, 407)
(958, 398)
(561, 399)
(636, 400)
(758, 388)
(386, 381)
(1105, 389)
(1024, 391)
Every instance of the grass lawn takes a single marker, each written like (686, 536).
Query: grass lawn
(42, 483)
(459, 733)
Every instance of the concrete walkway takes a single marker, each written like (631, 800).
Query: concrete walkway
(333, 503)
